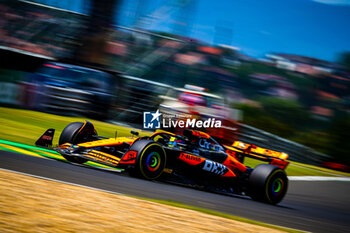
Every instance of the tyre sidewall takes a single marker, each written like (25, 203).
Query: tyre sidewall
(150, 160)
(69, 135)
(268, 183)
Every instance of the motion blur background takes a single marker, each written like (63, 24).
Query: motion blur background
(276, 72)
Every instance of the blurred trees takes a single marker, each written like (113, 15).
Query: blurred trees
(258, 118)
(339, 135)
(305, 85)
(315, 139)
(278, 116)
(345, 60)
(287, 111)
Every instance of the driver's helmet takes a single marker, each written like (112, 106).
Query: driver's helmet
(172, 142)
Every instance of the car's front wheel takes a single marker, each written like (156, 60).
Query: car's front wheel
(75, 133)
(150, 159)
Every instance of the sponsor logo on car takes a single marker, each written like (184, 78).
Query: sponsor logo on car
(189, 156)
(191, 159)
(208, 145)
(215, 167)
(46, 137)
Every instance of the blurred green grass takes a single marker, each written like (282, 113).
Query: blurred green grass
(25, 126)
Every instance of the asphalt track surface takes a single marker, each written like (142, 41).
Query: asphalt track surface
(317, 206)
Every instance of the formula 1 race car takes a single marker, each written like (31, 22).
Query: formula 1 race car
(194, 159)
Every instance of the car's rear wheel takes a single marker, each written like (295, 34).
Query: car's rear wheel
(268, 183)
(150, 159)
(75, 134)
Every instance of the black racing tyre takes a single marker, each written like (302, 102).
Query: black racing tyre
(268, 183)
(71, 134)
(150, 159)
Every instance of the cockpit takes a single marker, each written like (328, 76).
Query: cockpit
(191, 140)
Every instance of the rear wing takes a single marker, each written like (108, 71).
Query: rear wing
(249, 150)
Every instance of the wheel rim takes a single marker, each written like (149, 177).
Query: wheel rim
(277, 186)
(153, 161)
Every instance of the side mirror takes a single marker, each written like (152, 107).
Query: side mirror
(134, 133)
